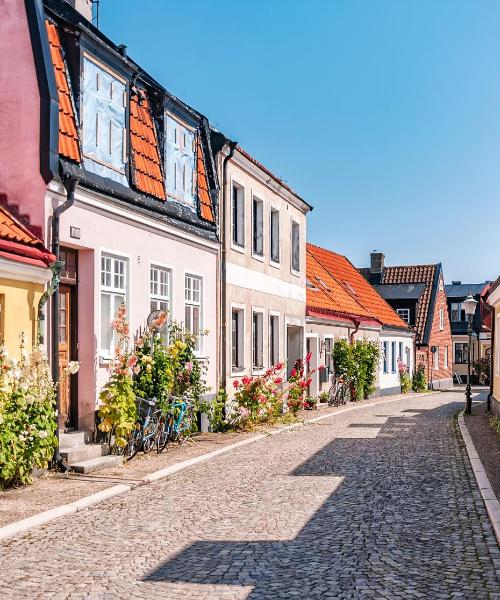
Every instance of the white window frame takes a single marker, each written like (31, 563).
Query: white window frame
(325, 362)
(459, 309)
(274, 210)
(435, 362)
(277, 342)
(404, 311)
(401, 351)
(241, 212)
(441, 319)
(464, 352)
(256, 255)
(385, 358)
(107, 353)
(198, 350)
(159, 298)
(240, 308)
(445, 358)
(292, 268)
(179, 188)
(257, 369)
(394, 358)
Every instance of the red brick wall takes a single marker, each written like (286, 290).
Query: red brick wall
(441, 339)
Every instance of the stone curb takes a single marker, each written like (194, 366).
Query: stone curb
(490, 500)
(87, 501)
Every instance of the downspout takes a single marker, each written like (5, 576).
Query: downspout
(223, 304)
(491, 310)
(70, 185)
(357, 324)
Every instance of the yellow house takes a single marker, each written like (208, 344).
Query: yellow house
(24, 273)
(493, 300)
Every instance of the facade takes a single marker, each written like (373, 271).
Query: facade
(263, 225)
(24, 273)
(417, 294)
(493, 303)
(341, 304)
(136, 188)
(481, 326)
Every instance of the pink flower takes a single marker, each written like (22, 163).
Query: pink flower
(321, 367)
(293, 373)
(137, 369)
(278, 366)
(132, 361)
(308, 357)
(246, 380)
(278, 380)
(189, 367)
(236, 384)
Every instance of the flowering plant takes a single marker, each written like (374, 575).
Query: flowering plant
(118, 411)
(404, 377)
(259, 398)
(297, 396)
(27, 415)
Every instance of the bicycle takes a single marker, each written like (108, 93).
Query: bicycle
(339, 392)
(175, 424)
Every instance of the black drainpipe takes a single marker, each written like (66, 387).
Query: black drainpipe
(491, 310)
(223, 304)
(70, 185)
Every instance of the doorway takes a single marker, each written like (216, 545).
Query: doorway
(68, 342)
(294, 341)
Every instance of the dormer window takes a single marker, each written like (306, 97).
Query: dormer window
(104, 101)
(180, 162)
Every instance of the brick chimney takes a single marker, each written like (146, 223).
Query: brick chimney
(84, 7)
(376, 266)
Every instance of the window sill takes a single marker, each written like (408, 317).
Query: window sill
(295, 273)
(258, 370)
(259, 257)
(276, 265)
(104, 360)
(237, 248)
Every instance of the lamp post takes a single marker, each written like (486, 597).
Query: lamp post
(469, 305)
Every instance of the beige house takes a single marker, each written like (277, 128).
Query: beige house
(263, 268)
(493, 300)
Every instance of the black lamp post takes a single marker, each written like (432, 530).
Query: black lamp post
(469, 305)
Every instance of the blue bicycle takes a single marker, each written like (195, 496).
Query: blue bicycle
(176, 424)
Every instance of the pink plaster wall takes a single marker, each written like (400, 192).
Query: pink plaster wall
(20, 175)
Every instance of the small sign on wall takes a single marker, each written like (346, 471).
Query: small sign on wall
(75, 232)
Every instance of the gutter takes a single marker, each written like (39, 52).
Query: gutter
(70, 185)
(223, 269)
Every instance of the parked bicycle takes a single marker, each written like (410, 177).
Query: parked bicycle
(145, 431)
(176, 424)
(340, 391)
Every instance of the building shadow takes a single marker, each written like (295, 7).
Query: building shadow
(395, 525)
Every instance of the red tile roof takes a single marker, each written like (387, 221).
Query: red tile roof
(68, 133)
(18, 243)
(415, 274)
(147, 174)
(206, 209)
(351, 293)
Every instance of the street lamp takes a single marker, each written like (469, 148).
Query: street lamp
(469, 306)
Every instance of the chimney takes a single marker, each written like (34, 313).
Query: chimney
(84, 7)
(456, 283)
(376, 266)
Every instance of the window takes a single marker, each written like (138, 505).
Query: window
(295, 246)
(258, 227)
(393, 357)
(179, 162)
(457, 312)
(274, 340)
(436, 359)
(113, 294)
(386, 357)
(104, 101)
(400, 355)
(193, 307)
(441, 319)
(328, 355)
(404, 313)
(159, 288)
(237, 337)
(461, 350)
(257, 340)
(445, 358)
(238, 213)
(275, 235)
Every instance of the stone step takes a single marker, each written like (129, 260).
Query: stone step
(72, 439)
(78, 454)
(96, 464)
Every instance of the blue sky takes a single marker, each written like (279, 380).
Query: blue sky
(385, 115)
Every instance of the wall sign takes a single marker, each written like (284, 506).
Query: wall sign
(75, 232)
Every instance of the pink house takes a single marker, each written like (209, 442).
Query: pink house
(128, 171)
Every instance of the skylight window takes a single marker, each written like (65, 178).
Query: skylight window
(180, 162)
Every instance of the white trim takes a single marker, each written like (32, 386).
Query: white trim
(271, 314)
(274, 208)
(201, 304)
(238, 372)
(294, 272)
(233, 182)
(250, 279)
(258, 310)
(18, 271)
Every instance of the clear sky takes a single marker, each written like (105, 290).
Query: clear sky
(384, 115)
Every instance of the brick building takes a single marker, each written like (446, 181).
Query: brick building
(417, 293)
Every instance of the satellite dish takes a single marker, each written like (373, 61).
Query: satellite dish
(152, 317)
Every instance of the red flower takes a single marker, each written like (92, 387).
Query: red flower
(236, 384)
(321, 367)
(278, 366)
(278, 380)
(308, 357)
(246, 380)
(293, 373)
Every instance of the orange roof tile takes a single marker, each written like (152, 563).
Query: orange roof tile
(350, 280)
(414, 274)
(68, 133)
(146, 172)
(206, 209)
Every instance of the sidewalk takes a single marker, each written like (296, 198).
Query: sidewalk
(55, 489)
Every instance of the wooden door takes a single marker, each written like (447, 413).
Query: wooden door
(65, 345)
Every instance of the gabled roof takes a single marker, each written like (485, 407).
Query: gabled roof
(460, 290)
(69, 145)
(427, 274)
(358, 297)
(206, 209)
(18, 243)
(147, 174)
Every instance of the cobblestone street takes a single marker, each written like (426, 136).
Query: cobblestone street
(378, 502)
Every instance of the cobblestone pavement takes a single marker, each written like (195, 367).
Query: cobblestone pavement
(374, 503)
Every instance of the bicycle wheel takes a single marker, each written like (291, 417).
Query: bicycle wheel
(149, 435)
(163, 435)
(184, 430)
(331, 395)
(133, 444)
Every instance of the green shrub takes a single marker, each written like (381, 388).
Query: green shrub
(419, 382)
(495, 423)
(359, 363)
(481, 368)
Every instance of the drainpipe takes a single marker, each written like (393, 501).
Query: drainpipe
(70, 185)
(357, 323)
(223, 308)
(491, 310)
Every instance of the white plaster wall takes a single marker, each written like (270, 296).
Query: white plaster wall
(390, 380)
